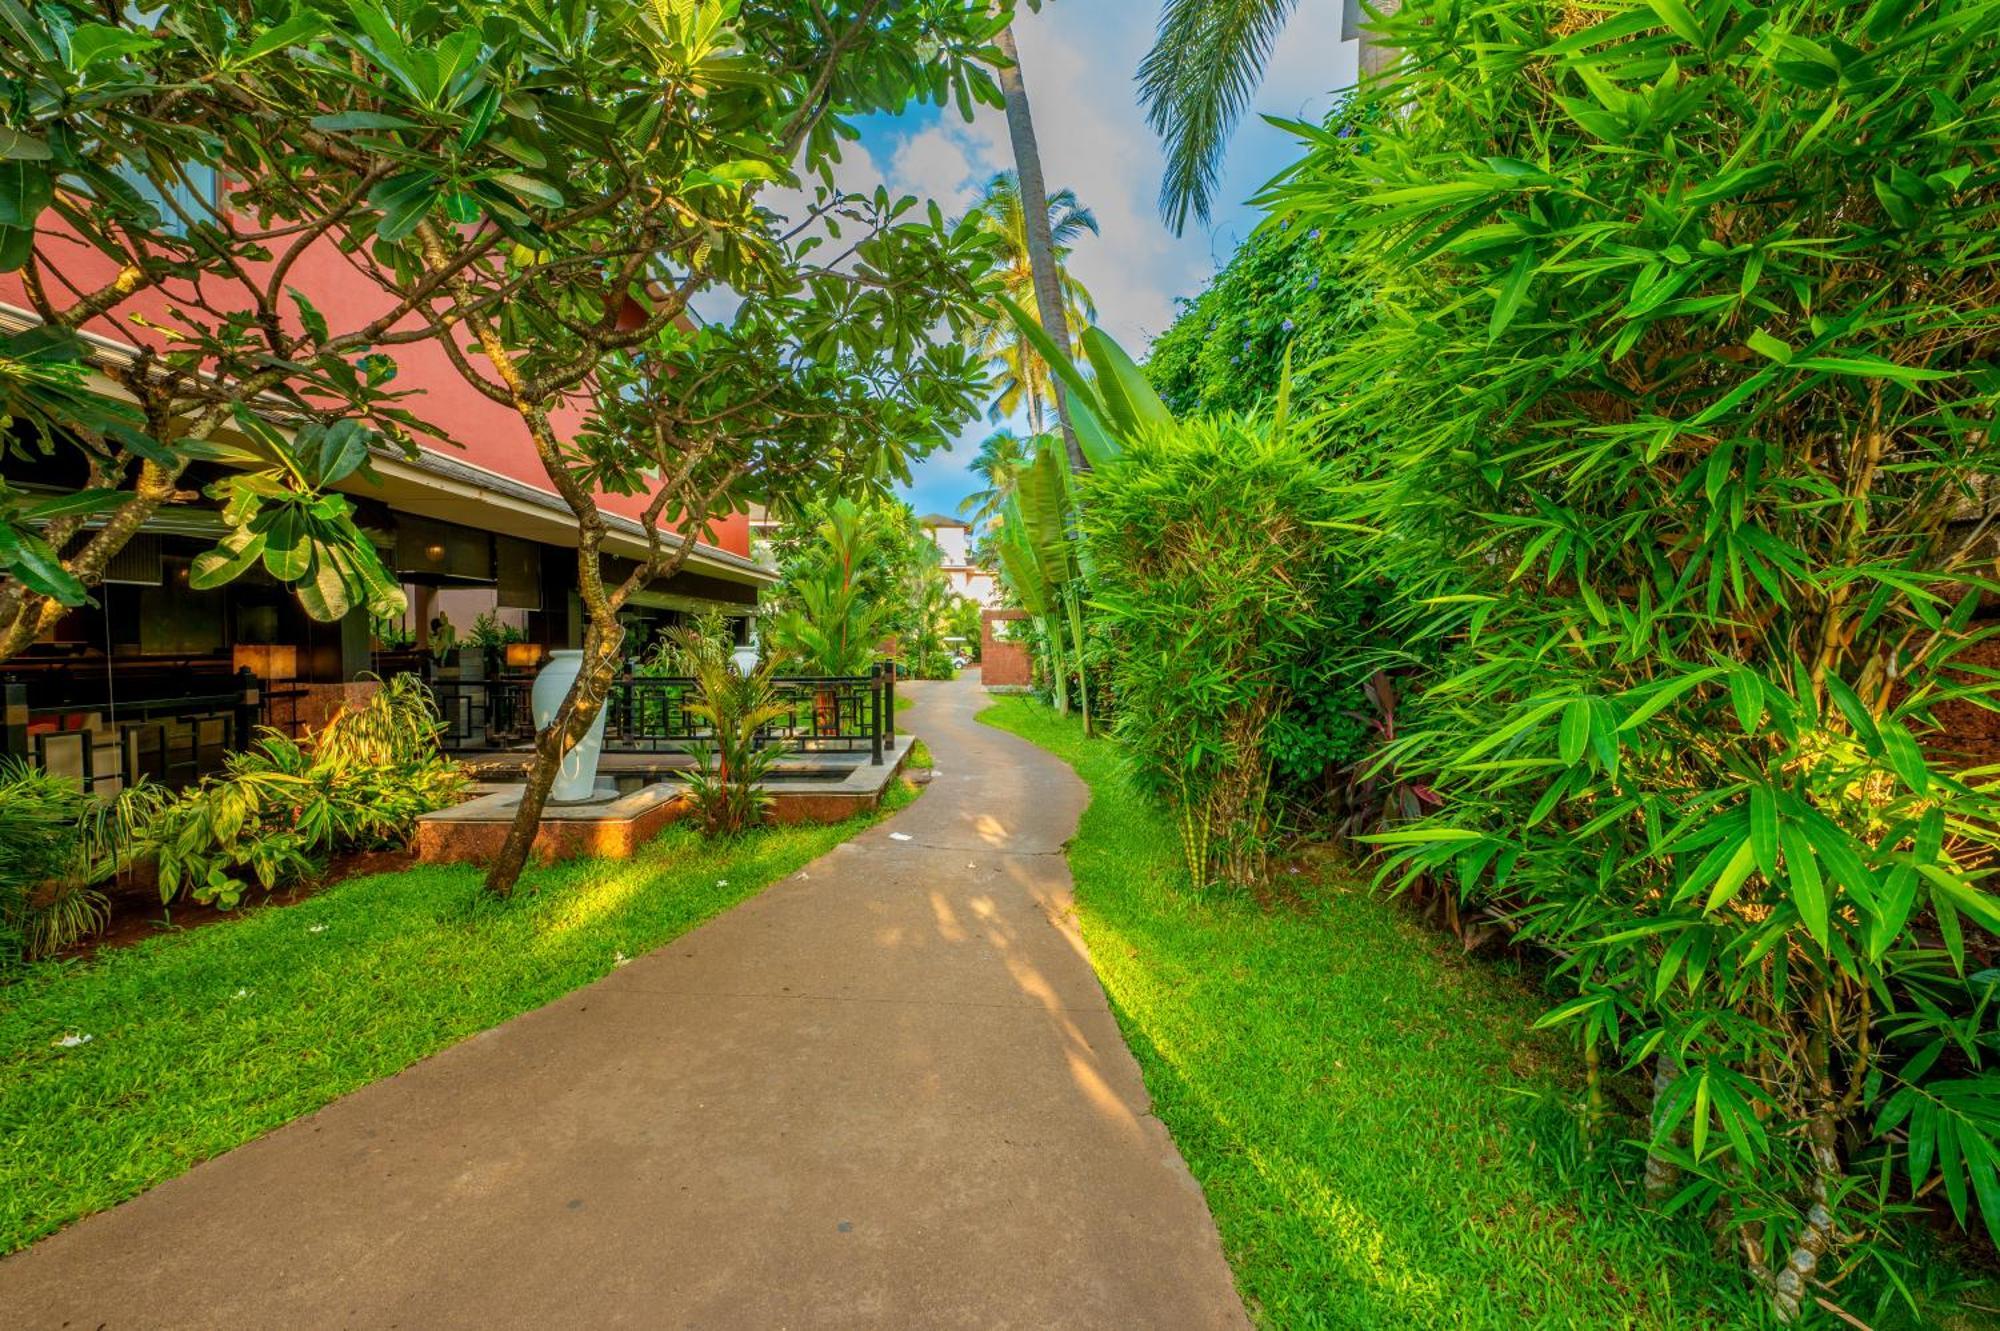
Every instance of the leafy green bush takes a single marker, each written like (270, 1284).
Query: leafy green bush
(1681, 398)
(839, 613)
(283, 805)
(1212, 580)
(726, 785)
(1280, 294)
(55, 845)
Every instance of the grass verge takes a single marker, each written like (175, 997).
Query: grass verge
(200, 1041)
(1382, 1139)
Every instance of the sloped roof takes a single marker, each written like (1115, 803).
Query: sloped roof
(939, 520)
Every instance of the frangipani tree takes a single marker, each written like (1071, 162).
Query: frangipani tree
(537, 192)
(169, 334)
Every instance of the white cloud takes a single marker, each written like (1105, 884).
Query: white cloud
(934, 165)
(1079, 62)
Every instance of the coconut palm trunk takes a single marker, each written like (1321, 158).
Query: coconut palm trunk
(1041, 245)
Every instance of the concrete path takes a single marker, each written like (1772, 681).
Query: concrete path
(887, 1093)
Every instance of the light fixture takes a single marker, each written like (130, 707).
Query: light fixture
(523, 655)
(434, 552)
(267, 661)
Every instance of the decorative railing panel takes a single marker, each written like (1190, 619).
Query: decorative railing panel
(655, 715)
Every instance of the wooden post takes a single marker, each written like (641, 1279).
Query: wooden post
(249, 706)
(875, 695)
(889, 705)
(13, 718)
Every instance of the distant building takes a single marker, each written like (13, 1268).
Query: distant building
(954, 540)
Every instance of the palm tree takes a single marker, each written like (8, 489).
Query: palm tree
(999, 464)
(1024, 379)
(1207, 60)
(1040, 240)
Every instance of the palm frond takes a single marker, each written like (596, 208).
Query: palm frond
(1206, 63)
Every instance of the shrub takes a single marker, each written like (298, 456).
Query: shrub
(1281, 295)
(283, 805)
(841, 612)
(1681, 396)
(726, 785)
(1211, 582)
(55, 845)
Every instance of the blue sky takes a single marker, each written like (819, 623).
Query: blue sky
(1079, 58)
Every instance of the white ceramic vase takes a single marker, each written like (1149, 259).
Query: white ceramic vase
(576, 779)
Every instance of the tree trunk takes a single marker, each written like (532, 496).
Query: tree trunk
(1041, 245)
(1662, 1174)
(572, 721)
(1075, 608)
(1791, 1283)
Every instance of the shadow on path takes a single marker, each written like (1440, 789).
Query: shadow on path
(886, 1092)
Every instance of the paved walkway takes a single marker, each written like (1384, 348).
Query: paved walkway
(887, 1093)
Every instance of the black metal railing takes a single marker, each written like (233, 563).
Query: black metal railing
(107, 743)
(650, 714)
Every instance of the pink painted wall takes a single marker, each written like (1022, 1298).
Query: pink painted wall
(486, 434)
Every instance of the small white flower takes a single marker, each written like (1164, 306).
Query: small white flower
(70, 1041)
(242, 993)
(619, 958)
(317, 929)
(722, 882)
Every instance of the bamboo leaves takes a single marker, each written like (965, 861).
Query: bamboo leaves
(1678, 479)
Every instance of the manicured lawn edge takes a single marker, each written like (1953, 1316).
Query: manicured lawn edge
(201, 1041)
(1381, 1139)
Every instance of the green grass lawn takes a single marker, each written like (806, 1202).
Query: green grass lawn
(1383, 1141)
(200, 1041)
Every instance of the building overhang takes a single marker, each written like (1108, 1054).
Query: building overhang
(437, 485)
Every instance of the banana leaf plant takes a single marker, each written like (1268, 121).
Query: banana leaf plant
(1040, 550)
(1039, 557)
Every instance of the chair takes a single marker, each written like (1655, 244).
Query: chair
(144, 747)
(66, 753)
(211, 744)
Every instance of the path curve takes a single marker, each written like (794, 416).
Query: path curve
(885, 1093)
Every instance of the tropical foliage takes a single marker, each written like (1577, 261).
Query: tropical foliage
(1211, 573)
(726, 786)
(1280, 298)
(56, 844)
(837, 617)
(1205, 64)
(283, 806)
(1001, 456)
(1678, 403)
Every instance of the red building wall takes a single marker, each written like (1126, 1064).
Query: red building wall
(1003, 662)
(485, 434)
